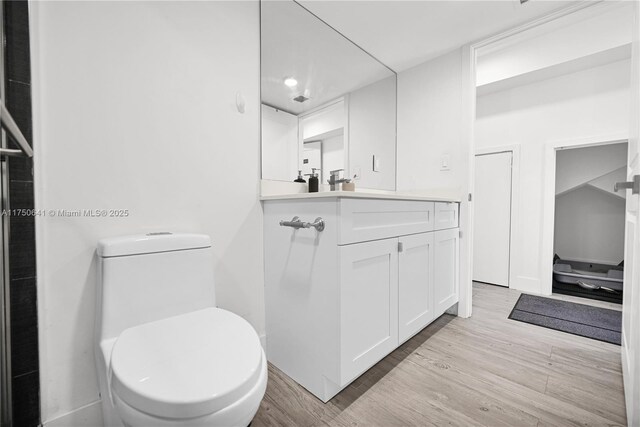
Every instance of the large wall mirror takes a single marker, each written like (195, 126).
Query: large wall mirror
(326, 103)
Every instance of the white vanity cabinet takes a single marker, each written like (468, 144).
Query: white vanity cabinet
(446, 269)
(340, 299)
(368, 305)
(415, 284)
(446, 215)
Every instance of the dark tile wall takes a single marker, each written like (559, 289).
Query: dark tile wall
(22, 265)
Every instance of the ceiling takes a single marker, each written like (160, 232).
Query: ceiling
(403, 34)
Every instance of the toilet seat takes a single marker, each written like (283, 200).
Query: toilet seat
(186, 366)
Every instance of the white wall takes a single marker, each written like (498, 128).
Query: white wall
(372, 131)
(279, 144)
(587, 104)
(134, 108)
(434, 112)
(430, 117)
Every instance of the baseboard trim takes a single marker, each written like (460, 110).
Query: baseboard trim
(452, 310)
(89, 415)
(528, 284)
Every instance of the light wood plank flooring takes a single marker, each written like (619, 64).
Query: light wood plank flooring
(485, 370)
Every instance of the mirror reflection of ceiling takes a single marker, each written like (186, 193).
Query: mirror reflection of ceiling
(296, 44)
(403, 34)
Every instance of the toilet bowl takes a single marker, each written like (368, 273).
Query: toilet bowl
(166, 355)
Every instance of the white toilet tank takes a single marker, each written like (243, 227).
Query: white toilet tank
(143, 278)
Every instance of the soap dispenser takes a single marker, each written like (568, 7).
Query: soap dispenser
(313, 181)
(300, 178)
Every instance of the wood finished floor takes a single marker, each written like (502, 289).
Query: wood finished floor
(485, 370)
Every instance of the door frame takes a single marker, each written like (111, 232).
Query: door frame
(549, 197)
(472, 51)
(514, 215)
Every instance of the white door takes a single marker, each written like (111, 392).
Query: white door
(631, 293)
(415, 284)
(369, 305)
(446, 267)
(492, 210)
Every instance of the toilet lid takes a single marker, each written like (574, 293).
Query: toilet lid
(188, 365)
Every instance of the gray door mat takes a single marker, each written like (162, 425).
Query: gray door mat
(598, 323)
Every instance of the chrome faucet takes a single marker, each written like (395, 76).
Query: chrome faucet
(336, 178)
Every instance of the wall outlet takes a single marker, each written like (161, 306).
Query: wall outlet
(445, 163)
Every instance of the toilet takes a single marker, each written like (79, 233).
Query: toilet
(166, 355)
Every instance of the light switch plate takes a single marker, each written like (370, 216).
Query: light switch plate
(445, 163)
(376, 163)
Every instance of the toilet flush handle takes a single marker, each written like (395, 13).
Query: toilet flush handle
(295, 222)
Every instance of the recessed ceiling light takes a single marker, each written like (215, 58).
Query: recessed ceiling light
(291, 82)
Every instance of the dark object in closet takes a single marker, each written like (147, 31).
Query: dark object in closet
(590, 280)
(577, 291)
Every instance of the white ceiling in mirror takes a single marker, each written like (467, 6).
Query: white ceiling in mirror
(297, 45)
(403, 34)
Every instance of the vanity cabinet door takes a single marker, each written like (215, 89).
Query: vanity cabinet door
(446, 264)
(415, 284)
(369, 305)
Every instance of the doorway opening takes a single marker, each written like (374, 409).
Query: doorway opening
(589, 221)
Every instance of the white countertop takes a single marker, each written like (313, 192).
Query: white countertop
(360, 195)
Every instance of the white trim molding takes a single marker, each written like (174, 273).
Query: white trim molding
(515, 35)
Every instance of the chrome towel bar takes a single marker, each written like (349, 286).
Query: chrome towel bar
(318, 224)
(10, 125)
